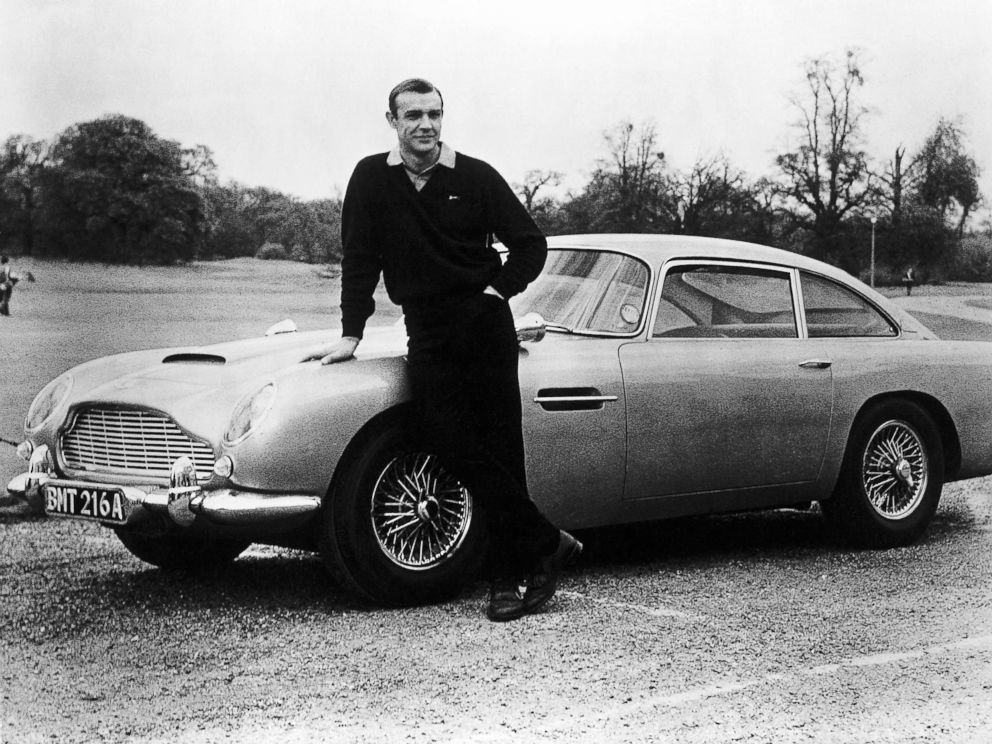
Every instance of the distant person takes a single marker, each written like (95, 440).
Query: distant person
(7, 282)
(909, 279)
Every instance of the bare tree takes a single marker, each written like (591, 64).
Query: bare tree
(826, 176)
(534, 181)
(893, 182)
(628, 188)
(704, 194)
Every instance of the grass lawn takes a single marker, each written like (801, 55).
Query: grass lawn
(72, 313)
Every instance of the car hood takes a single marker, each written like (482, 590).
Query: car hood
(199, 386)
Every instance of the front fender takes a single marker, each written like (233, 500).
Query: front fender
(318, 410)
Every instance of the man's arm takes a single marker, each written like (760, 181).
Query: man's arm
(360, 270)
(360, 262)
(527, 248)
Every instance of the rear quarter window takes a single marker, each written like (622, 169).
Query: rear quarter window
(833, 310)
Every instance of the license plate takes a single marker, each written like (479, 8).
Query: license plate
(85, 502)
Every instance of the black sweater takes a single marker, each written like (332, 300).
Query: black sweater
(433, 246)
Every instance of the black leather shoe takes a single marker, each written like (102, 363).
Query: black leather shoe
(541, 584)
(506, 601)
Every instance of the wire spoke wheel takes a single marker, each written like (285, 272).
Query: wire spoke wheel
(420, 512)
(895, 469)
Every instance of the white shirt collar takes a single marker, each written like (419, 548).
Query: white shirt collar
(447, 157)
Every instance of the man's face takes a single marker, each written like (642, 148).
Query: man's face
(417, 121)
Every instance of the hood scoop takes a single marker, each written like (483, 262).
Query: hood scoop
(194, 358)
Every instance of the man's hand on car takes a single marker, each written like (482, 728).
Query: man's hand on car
(339, 351)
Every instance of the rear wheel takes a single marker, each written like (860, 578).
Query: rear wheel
(181, 552)
(891, 478)
(398, 528)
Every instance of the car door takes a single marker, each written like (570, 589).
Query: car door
(724, 394)
(574, 428)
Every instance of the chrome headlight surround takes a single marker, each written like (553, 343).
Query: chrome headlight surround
(248, 413)
(45, 403)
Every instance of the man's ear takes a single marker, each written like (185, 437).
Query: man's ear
(390, 119)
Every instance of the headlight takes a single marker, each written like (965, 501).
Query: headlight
(249, 412)
(51, 397)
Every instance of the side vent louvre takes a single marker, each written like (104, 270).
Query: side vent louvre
(192, 358)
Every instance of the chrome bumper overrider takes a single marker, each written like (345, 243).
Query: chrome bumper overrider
(182, 502)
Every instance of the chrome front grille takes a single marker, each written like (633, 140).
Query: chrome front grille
(131, 442)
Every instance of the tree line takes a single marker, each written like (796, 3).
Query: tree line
(112, 190)
(824, 198)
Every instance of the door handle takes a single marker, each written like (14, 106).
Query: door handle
(572, 399)
(816, 364)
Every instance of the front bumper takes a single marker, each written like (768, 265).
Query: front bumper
(183, 502)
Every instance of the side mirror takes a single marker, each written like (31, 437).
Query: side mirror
(530, 327)
(283, 326)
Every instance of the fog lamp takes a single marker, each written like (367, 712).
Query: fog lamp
(224, 467)
(24, 449)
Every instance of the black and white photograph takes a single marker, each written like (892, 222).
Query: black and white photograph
(533, 372)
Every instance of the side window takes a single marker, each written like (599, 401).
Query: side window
(714, 301)
(833, 310)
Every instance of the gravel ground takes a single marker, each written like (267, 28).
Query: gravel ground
(746, 628)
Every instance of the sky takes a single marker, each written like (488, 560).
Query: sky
(290, 94)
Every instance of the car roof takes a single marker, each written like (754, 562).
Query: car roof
(655, 249)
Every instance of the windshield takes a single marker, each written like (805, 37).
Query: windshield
(587, 292)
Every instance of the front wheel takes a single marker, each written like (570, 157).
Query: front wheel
(397, 527)
(180, 552)
(891, 479)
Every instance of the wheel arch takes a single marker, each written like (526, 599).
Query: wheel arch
(345, 513)
(334, 559)
(397, 414)
(949, 439)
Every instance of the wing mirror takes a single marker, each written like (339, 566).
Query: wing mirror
(530, 327)
(283, 326)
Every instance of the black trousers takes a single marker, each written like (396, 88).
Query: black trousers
(463, 372)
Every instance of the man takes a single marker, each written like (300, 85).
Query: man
(424, 217)
(7, 282)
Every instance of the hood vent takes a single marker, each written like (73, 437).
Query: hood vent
(193, 358)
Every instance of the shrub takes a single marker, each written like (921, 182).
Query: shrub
(972, 259)
(272, 252)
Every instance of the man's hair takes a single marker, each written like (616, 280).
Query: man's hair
(413, 85)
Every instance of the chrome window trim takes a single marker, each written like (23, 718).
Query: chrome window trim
(646, 302)
(867, 300)
(800, 301)
(788, 272)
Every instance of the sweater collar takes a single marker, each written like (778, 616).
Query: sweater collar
(447, 157)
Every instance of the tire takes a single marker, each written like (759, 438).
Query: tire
(180, 552)
(891, 478)
(397, 528)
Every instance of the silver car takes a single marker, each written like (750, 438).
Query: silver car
(661, 376)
